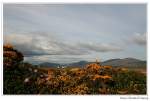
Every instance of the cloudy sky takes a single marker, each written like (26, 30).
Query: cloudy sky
(67, 33)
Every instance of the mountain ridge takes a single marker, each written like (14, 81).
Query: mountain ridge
(125, 62)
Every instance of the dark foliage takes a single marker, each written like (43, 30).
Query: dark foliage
(24, 78)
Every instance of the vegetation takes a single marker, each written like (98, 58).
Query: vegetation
(24, 78)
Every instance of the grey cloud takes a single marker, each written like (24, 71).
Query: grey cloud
(59, 58)
(139, 39)
(101, 47)
(24, 43)
(38, 44)
(31, 45)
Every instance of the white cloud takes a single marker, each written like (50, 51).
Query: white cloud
(139, 38)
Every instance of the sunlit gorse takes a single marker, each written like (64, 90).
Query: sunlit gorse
(24, 78)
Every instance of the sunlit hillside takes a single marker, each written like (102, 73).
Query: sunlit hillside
(94, 78)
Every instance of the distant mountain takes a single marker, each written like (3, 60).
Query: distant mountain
(75, 64)
(48, 64)
(78, 64)
(126, 62)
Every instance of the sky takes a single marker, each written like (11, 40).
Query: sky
(65, 33)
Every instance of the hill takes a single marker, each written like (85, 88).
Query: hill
(25, 78)
(48, 64)
(78, 64)
(126, 62)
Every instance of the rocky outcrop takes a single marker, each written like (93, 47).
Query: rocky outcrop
(11, 57)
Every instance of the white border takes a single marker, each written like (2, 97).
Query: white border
(1, 46)
(69, 97)
(77, 1)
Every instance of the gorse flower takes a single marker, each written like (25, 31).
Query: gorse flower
(25, 78)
